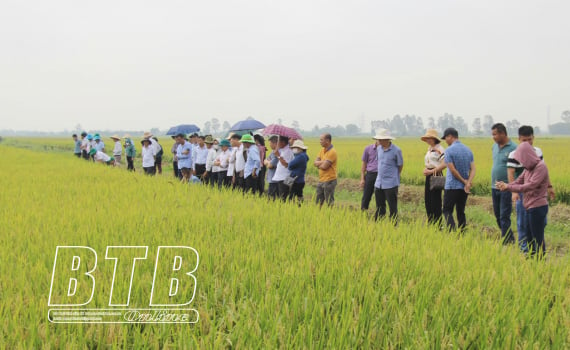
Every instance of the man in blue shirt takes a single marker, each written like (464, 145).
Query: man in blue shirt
(502, 201)
(390, 165)
(184, 155)
(459, 179)
(252, 163)
(77, 149)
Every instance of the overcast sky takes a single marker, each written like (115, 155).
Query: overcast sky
(141, 64)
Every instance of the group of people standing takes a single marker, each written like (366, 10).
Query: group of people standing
(243, 162)
(240, 162)
(518, 175)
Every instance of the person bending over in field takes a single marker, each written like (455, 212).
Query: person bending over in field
(101, 157)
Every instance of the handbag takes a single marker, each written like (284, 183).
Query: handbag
(436, 182)
(289, 180)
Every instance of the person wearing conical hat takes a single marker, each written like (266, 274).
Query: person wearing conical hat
(298, 168)
(148, 157)
(390, 165)
(130, 152)
(117, 149)
(433, 159)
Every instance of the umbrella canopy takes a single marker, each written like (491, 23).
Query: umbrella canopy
(248, 124)
(171, 131)
(275, 129)
(183, 128)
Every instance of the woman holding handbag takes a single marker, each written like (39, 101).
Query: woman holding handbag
(434, 181)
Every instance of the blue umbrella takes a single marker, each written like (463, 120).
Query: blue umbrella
(171, 131)
(183, 129)
(248, 124)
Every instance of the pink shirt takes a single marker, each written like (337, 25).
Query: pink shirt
(534, 180)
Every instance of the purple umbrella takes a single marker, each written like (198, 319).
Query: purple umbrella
(276, 129)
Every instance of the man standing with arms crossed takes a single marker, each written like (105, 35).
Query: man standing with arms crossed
(326, 162)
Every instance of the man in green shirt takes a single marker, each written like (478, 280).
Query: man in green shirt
(502, 201)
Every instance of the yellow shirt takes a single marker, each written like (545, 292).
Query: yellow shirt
(330, 173)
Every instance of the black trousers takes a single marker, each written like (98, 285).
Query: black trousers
(175, 168)
(130, 164)
(78, 155)
(158, 165)
(283, 190)
(297, 191)
(272, 190)
(250, 184)
(261, 180)
(239, 184)
(151, 170)
(432, 201)
(454, 199)
(85, 154)
(369, 180)
(389, 195)
(200, 170)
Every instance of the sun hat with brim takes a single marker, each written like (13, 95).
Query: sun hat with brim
(147, 135)
(225, 143)
(97, 137)
(209, 139)
(430, 134)
(247, 138)
(92, 151)
(299, 144)
(115, 137)
(89, 137)
(230, 135)
(383, 134)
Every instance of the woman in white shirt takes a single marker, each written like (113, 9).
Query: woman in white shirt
(433, 158)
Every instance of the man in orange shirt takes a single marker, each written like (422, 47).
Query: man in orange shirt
(326, 162)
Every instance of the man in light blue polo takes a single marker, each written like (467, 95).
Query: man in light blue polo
(460, 173)
(390, 165)
(252, 163)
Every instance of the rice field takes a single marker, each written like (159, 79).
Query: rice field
(271, 275)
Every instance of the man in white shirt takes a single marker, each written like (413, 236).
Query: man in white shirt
(211, 173)
(284, 156)
(238, 181)
(222, 161)
(201, 157)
